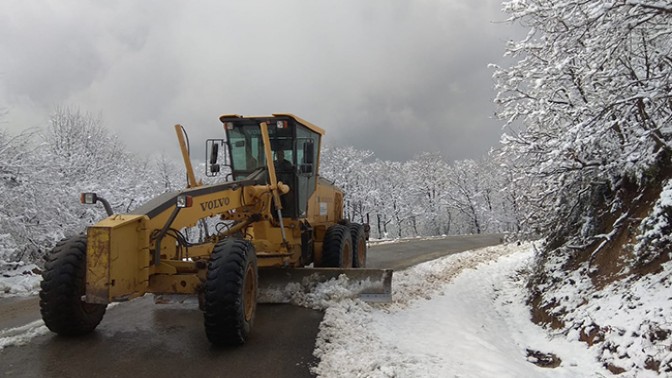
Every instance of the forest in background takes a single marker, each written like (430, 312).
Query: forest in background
(42, 172)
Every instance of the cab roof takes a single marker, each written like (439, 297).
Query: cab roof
(229, 117)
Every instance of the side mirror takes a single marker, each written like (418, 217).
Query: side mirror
(212, 155)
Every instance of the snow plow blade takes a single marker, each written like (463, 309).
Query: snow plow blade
(286, 285)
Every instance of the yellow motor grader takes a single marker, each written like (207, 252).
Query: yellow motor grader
(279, 223)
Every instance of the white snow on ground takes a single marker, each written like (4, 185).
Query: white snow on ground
(18, 279)
(629, 319)
(22, 335)
(460, 316)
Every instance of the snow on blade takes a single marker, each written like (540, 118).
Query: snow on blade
(313, 292)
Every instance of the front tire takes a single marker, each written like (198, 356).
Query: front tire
(62, 287)
(230, 298)
(337, 247)
(358, 245)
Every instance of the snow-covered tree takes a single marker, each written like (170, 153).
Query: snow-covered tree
(517, 196)
(588, 103)
(423, 196)
(395, 196)
(42, 175)
(588, 106)
(15, 170)
(348, 167)
(465, 195)
(427, 183)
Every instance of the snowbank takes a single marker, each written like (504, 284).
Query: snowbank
(449, 319)
(19, 279)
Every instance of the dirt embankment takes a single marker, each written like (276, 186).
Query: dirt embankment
(572, 282)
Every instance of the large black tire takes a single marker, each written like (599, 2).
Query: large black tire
(230, 299)
(358, 245)
(337, 247)
(63, 285)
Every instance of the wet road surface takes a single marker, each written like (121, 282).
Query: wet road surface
(141, 339)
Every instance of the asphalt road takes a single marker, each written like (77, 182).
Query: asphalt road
(141, 339)
(399, 256)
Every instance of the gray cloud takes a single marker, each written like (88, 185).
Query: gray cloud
(394, 77)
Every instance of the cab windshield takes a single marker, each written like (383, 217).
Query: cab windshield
(294, 154)
(247, 149)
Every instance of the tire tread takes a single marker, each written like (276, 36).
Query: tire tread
(63, 284)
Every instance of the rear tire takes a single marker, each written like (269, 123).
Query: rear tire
(62, 287)
(230, 298)
(358, 245)
(337, 247)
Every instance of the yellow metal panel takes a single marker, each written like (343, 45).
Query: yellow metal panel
(117, 259)
(273, 262)
(97, 265)
(204, 206)
(323, 206)
(268, 238)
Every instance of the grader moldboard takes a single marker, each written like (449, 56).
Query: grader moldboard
(281, 223)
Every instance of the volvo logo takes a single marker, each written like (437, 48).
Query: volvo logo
(214, 204)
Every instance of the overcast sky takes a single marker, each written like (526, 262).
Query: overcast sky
(394, 77)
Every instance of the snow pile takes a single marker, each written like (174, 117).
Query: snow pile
(313, 293)
(22, 335)
(476, 324)
(18, 278)
(420, 281)
(425, 280)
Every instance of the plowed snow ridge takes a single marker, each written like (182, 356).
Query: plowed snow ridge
(460, 316)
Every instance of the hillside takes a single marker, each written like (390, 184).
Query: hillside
(614, 293)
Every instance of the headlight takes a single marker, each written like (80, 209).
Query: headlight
(88, 198)
(184, 200)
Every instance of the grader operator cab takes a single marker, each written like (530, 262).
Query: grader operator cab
(280, 223)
